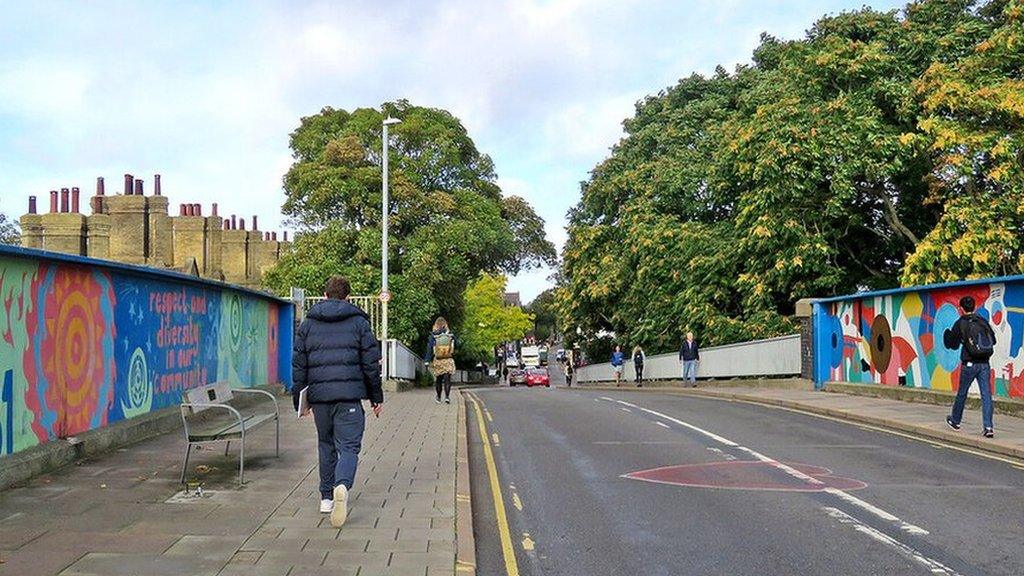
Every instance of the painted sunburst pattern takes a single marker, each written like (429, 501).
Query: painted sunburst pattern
(72, 334)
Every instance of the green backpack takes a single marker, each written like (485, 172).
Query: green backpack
(444, 346)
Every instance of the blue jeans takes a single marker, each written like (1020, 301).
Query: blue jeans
(690, 370)
(339, 433)
(981, 372)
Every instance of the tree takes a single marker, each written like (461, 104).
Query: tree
(488, 321)
(9, 233)
(448, 219)
(819, 169)
(975, 128)
(545, 317)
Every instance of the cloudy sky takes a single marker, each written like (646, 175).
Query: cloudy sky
(206, 93)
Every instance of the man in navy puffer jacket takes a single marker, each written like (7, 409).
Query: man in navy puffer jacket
(337, 357)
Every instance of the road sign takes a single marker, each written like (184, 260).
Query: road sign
(385, 297)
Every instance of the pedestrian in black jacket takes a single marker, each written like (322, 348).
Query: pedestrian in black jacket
(336, 360)
(976, 339)
(689, 356)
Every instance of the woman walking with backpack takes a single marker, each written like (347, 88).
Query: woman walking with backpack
(638, 364)
(441, 357)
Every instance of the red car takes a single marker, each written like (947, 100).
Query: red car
(538, 377)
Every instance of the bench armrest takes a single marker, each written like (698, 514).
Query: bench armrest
(232, 409)
(277, 409)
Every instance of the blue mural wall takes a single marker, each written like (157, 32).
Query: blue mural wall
(895, 337)
(85, 343)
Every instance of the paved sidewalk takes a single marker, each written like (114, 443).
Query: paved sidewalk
(123, 514)
(916, 418)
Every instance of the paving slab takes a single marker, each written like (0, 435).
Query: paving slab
(126, 513)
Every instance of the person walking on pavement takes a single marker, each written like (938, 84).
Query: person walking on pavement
(974, 336)
(618, 361)
(638, 364)
(570, 369)
(689, 356)
(441, 357)
(336, 364)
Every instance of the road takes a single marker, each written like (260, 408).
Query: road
(754, 490)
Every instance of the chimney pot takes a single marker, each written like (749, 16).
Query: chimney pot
(75, 196)
(129, 186)
(65, 195)
(227, 224)
(138, 187)
(31, 204)
(100, 190)
(181, 209)
(234, 223)
(254, 225)
(197, 209)
(273, 236)
(156, 185)
(213, 209)
(53, 201)
(241, 223)
(285, 235)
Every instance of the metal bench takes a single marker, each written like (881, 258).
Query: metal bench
(202, 426)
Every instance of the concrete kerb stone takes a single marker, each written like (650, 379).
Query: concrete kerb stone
(465, 544)
(950, 437)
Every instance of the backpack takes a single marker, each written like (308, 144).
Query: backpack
(978, 338)
(444, 345)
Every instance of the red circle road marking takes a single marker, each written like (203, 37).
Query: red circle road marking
(745, 475)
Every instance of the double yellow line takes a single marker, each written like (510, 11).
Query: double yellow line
(507, 550)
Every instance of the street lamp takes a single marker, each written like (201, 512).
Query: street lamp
(385, 296)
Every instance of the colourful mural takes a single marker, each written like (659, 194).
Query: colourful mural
(896, 337)
(85, 343)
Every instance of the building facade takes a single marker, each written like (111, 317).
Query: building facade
(134, 228)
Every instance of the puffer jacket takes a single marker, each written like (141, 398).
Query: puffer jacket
(336, 355)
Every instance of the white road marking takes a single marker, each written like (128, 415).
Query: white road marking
(662, 424)
(933, 565)
(625, 410)
(607, 398)
(711, 435)
(905, 526)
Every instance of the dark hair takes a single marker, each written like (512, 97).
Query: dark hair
(338, 288)
(967, 303)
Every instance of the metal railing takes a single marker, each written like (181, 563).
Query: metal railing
(771, 357)
(369, 304)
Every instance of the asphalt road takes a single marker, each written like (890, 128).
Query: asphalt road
(761, 491)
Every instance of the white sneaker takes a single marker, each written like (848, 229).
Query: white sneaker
(339, 509)
(326, 506)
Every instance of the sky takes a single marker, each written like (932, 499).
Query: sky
(206, 93)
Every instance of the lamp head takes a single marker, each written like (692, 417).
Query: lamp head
(389, 121)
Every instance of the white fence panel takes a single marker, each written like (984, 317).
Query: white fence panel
(404, 364)
(771, 357)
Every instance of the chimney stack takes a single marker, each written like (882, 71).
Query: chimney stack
(31, 204)
(213, 209)
(138, 187)
(65, 195)
(99, 186)
(156, 185)
(75, 196)
(53, 201)
(129, 186)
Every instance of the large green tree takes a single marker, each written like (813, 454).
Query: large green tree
(817, 169)
(9, 233)
(448, 219)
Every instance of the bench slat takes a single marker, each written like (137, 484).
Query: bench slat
(229, 429)
(216, 393)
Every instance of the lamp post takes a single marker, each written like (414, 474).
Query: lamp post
(385, 296)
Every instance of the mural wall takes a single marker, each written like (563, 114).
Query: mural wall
(895, 338)
(84, 343)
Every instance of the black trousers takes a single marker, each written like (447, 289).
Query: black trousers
(639, 372)
(443, 381)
